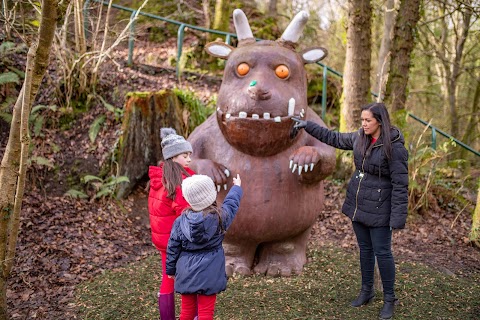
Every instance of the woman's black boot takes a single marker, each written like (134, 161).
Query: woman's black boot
(366, 296)
(388, 307)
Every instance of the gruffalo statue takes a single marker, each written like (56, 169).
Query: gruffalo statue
(263, 86)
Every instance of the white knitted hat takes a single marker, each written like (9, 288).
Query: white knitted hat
(173, 144)
(199, 191)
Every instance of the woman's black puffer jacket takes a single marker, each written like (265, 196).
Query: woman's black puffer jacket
(377, 194)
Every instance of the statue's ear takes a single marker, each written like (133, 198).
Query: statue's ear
(219, 49)
(312, 55)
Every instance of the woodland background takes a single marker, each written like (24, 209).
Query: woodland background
(64, 84)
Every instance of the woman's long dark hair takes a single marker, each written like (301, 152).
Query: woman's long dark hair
(380, 113)
(172, 176)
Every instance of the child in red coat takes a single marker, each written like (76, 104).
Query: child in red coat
(166, 203)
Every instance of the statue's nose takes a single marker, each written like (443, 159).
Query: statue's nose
(257, 92)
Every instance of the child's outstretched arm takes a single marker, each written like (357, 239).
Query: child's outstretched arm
(231, 202)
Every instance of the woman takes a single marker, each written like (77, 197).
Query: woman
(377, 194)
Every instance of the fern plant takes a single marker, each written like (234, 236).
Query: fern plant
(104, 188)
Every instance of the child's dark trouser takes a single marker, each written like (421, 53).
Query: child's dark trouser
(206, 306)
(376, 242)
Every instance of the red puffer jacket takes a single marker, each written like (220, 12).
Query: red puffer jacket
(163, 211)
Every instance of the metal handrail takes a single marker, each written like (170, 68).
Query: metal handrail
(446, 135)
(228, 35)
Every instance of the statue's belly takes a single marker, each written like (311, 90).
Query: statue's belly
(275, 204)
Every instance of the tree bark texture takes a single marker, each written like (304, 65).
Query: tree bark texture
(473, 127)
(383, 54)
(356, 78)
(402, 47)
(466, 16)
(10, 173)
(475, 233)
(221, 20)
(139, 148)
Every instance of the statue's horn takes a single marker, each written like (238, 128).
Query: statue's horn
(294, 30)
(242, 27)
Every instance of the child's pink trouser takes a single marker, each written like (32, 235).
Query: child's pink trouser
(206, 306)
(167, 285)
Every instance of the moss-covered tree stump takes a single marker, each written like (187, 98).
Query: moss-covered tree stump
(139, 146)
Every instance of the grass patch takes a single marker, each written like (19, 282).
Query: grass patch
(324, 291)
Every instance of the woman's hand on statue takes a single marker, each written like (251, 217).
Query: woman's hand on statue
(299, 123)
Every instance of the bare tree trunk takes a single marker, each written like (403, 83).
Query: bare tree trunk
(473, 121)
(402, 47)
(272, 8)
(383, 55)
(221, 20)
(475, 232)
(80, 44)
(12, 170)
(206, 13)
(356, 78)
(456, 67)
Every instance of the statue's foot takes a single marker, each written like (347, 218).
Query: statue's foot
(281, 259)
(238, 259)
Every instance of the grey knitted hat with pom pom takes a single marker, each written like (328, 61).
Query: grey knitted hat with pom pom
(173, 144)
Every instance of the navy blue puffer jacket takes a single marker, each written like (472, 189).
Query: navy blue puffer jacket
(195, 254)
(377, 194)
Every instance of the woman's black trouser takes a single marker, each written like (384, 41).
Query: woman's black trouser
(376, 242)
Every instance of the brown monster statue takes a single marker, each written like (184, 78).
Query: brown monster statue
(264, 85)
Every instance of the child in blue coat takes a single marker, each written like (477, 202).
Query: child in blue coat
(195, 254)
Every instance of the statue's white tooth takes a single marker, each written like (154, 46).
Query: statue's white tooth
(291, 106)
(218, 109)
(294, 167)
(225, 186)
(255, 116)
(305, 167)
(218, 188)
(291, 163)
(227, 116)
(242, 114)
(311, 166)
(300, 169)
(227, 173)
(266, 115)
(278, 119)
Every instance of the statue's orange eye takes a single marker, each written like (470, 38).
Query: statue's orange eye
(243, 69)
(282, 71)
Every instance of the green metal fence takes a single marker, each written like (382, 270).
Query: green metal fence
(228, 36)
